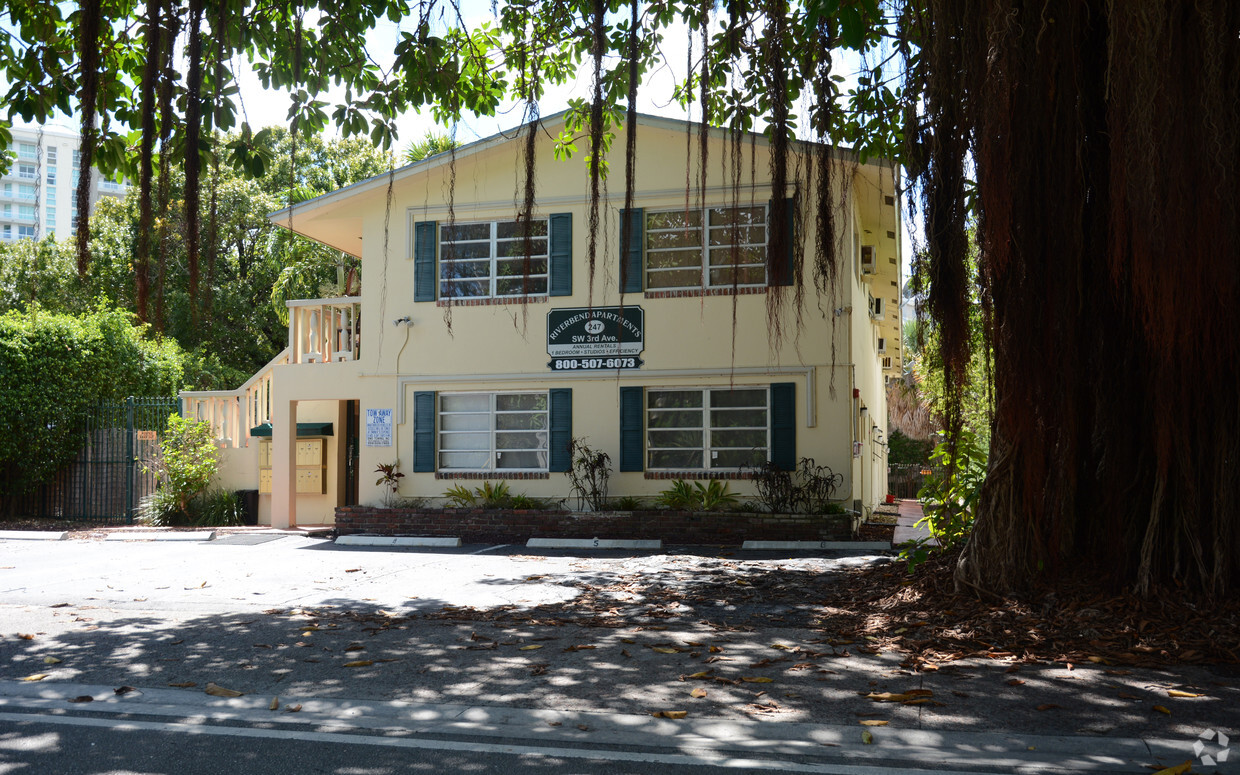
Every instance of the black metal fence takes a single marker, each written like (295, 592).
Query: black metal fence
(108, 478)
(905, 479)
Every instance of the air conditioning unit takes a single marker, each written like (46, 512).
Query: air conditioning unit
(882, 344)
(876, 307)
(868, 261)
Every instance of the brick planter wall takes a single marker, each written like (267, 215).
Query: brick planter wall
(518, 526)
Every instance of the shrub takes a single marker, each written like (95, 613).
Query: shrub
(807, 490)
(589, 474)
(460, 496)
(949, 497)
(696, 496)
(389, 478)
(627, 503)
(488, 496)
(216, 508)
(679, 497)
(186, 461)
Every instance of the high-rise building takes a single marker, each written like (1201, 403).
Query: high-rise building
(38, 194)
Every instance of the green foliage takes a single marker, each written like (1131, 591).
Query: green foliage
(588, 475)
(187, 461)
(389, 479)
(902, 450)
(490, 495)
(54, 369)
(217, 508)
(948, 497)
(696, 496)
(493, 496)
(807, 490)
(626, 503)
(428, 146)
(525, 502)
(460, 496)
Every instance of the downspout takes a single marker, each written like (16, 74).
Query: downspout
(400, 397)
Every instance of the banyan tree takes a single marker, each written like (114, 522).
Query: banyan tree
(1091, 145)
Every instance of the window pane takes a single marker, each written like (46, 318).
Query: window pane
(668, 439)
(464, 231)
(739, 458)
(745, 275)
(468, 460)
(738, 418)
(464, 289)
(680, 238)
(456, 251)
(676, 219)
(675, 419)
(451, 270)
(471, 440)
(743, 397)
(506, 402)
(535, 460)
(675, 458)
(519, 287)
(516, 247)
(738, 235)
(674, 259)
(673, 399)
(464, 402)
(521, 421)
(521, 440)
(510, 229)
(738, 439)
(679, 278)
(465, 422)
(741, 216)
(515, 267)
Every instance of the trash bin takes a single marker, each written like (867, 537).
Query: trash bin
(249, 506)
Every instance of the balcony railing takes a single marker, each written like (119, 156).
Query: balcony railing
(325, 330)
(232, 413)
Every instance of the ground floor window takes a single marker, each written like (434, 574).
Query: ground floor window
(493, 431)
(707, 428)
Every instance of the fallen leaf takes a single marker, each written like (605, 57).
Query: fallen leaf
(360, 663)
(1170, 692)
(703, 674)
(1015, 682)
(59, 605)
(698, 693)
(874, 722)
(55, 661)
(531, 647)
(185, 685)
(672, 714)
(24, 636)
(1179, 769)
(1047, 706)
(83, 698)
(275, 704)
(35, 677)
(555, 723)
(759, 679)
(715, 649)
(665, 649)
(866, 737)
(583, 727)
(355, 647)
(215, 690)
(292, 708)
(123, 690)
(351, 570)
(1161, 709)
(889, 697)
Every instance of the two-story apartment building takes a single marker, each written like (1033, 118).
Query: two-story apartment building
(38, 194)
(481, 343)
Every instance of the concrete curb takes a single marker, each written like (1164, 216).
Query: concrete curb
(857, 546)
(161, 535)
(32, 535)
(356, 540)
(593, 543)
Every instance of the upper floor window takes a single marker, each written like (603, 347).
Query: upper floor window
(25, 232)
(489, 259)
(25, 191)
(77, 159)
(51, 154)
(27, 151)
(719, 247)
(26, 171)
(25, 212)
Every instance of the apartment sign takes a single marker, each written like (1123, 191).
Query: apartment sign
(599, 338)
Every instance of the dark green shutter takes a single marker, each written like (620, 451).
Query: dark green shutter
(425, 280)
(561, 282)
(783, 275)
(632, 429)
(423, 431)
(631, 251)
(784, 425)
(561, 411)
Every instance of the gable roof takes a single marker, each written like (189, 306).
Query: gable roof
(344, 232)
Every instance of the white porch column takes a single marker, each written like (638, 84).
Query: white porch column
(284, 464)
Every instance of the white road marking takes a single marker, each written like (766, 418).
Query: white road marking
(703, 759)
(490, 548)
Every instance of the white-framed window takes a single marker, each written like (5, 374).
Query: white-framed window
(713, 248)
(8, 189)
(77, 159)
(51, 176)
(25, 212)
(51, 154)
(27, 151)
(26, 171)
(25, 191)
(707, 428)
(493, 431)
(487, 259)
(51, 214)
(8, 211)
(25, 232)
(6, 231)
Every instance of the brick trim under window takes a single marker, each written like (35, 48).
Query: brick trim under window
(513, 475)
(744, 290)
(490, 301)
(699, 474)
